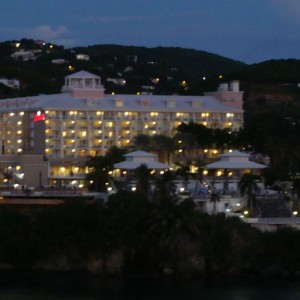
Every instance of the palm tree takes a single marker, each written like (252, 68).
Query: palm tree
(184, 172)
(98, 172)
(248, 185)
(169, 220)
(142, 174)
(164, 146)
(142, 142)
(214, 198)
(165, 187)
(115, 154)
(187, 144)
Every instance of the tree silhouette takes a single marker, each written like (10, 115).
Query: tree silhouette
(248, 185)
(98, 173)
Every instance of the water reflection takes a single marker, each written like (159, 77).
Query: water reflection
(53, 286)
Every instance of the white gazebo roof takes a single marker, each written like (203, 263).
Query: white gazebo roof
(235, 160)
(131, 165)
(139, 153)
(135, 159)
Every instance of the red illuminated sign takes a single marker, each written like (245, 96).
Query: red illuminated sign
(38, 117)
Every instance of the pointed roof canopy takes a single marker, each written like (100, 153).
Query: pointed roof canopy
(235, 160)
(137, 158)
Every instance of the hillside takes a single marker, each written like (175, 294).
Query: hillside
(138, 66)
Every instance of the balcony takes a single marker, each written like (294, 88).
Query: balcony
(68, 176)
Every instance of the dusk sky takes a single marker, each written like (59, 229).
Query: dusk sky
(250, 31)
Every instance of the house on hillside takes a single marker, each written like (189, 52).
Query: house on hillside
(11, 83)
(24, 55)
(82, 57)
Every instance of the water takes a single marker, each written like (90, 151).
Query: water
(84, 287)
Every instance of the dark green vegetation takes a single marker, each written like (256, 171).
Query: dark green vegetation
(137, 65)
(133, 235)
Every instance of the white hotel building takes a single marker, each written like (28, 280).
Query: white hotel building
(45, 139)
